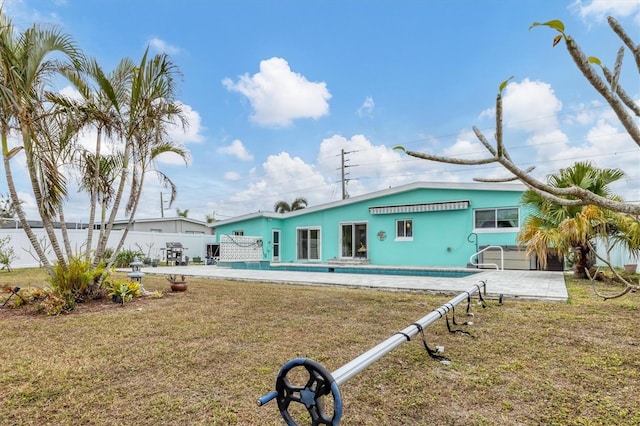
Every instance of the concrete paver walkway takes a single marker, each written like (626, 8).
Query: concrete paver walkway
(526, 285)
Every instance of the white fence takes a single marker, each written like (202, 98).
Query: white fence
(618, 256)
(152, 244)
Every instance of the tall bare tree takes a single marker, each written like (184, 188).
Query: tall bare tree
(606, 85)
(573, 195)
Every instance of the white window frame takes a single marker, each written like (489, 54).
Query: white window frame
(495, 228)
(404, 237)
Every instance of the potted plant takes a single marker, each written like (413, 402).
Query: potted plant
(178, 283)
(631, 267)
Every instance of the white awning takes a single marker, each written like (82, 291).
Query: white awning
(419, 208)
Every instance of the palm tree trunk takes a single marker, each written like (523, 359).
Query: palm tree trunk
(104, 237)
(132, 214)
(94, 196)
(583, 264)
(46, 219)
(65, 234)
(18, 208)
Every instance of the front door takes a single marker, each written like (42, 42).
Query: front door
(275, 245)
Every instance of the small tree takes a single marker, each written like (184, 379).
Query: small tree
(7, 210)
(569, 230)
(7, 254)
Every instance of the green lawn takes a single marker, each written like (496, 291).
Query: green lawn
(206, 355)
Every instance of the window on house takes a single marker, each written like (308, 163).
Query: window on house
(238, 232)
(404, 229)
(155, 230)
(503, 218)
(308, 244)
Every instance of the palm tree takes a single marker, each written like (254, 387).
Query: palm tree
(569, 230)
(25, 69)
(283, 207)
(102, 99)
(151, 109)
(182, 213)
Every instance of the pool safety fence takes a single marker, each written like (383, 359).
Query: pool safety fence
(322, 385)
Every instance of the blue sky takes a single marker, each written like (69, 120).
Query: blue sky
(274, 90)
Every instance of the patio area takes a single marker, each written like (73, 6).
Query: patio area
(547, 286)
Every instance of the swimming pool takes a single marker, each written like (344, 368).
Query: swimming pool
(352, 269)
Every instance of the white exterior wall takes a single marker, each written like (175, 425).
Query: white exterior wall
(150, 243)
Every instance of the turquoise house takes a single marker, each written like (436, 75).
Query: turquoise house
(423, 224)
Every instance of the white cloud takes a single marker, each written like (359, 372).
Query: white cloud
(182, 136)
(369, 167)
(531, 106)
(366, 109)
(583, 114)
(466, 147)
(237, 150)
(71, 93)
(191, 133)
(163, 47)
(278, 95)
(282, 178)
(600, 9)
(233, 176)
(487, 113)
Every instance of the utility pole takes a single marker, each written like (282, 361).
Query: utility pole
(161, 205)
(344, 182)
(343, 166)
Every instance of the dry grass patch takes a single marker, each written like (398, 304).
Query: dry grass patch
(206, 355)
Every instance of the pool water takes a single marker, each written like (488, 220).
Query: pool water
(351, 269)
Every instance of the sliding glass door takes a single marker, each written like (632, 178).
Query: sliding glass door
(353, 240)
(308, 244)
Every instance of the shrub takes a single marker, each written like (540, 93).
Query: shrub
(125, 257)
(52, 304)
(124, 291)
(7, 254)
(45, 301)
(78, 282)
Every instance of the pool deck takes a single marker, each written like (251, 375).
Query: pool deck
(547, 286)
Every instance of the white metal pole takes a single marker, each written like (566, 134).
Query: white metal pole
(355, 366)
